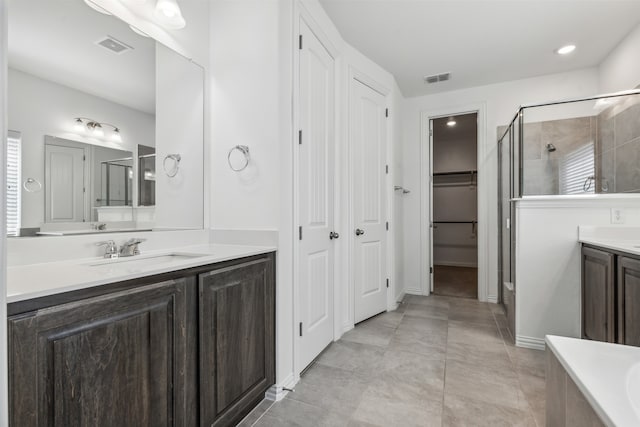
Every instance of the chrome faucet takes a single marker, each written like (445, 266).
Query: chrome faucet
(130, 247)
(111, 249)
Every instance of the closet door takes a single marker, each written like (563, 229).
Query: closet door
(368, 138)
(315, 197)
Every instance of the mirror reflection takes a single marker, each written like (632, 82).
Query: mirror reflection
(82, 109)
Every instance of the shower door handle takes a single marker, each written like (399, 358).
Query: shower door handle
(359, 232)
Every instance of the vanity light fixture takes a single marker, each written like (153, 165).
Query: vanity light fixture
(565, 50)
(96, 128)
(97, 8)
(169, 15)
(451, 122)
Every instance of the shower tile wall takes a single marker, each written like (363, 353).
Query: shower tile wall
(541, 167)
(618, 147)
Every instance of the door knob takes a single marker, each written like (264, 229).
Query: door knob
(333, 235)
(359, 232)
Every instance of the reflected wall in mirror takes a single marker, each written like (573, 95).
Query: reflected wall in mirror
(89, 100)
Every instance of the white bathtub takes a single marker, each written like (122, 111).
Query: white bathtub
(608, 375)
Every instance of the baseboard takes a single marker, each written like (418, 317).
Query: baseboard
(413, 292)
(277, 392)
(456, 264)
(493, 299)
(399, 298)
(346, 328)
(530, 342)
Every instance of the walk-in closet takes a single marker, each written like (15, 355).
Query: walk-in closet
(455, 205)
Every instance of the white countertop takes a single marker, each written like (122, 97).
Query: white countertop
(608, 375)
(38, 280)
(620, 238)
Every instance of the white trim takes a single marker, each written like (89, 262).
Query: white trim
(597, 200)
(4, 381)
(530, 342)
(492, 299)
(484, 188)
(413, 291)
(277, 392)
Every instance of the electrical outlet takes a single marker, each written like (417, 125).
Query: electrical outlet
(616, 216)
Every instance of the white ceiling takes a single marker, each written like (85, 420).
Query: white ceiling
(480, 41)
(55, 40)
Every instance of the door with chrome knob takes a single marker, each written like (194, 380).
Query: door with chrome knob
(333, 235)
(359, 232)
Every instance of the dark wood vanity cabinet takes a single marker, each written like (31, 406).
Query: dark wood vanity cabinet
(598, 305)
(189, 348)
(610, 296)
(237, 351)
(629, 301)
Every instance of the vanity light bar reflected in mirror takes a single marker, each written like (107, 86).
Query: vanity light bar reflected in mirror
(96, 128)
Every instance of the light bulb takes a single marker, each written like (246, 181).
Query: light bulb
(97, 130)
(169, 15)
(116, 135)
(78, 126)
(451, 122)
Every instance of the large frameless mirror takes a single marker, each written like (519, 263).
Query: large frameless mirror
(106, 125)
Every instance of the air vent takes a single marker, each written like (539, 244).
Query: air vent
(114, 45)
(443, 77)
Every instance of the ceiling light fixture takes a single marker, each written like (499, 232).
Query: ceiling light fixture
(96, 128)
(97, 8)
(451, 122)
(169, 15)
(565, 50)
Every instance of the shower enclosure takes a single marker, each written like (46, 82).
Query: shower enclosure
(573, 148)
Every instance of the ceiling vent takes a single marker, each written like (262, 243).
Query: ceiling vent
(436, 78)
(114, 45)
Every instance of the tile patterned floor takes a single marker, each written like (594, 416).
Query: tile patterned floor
(436, 361)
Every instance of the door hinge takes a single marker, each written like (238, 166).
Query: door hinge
(387, 283)
(386, 169)
(300, 233)
(300, 137)
(300, 42)
(387, 225)
(430, 270)
(300, 328)
(386, 112)
(84, 158)
(430, 132)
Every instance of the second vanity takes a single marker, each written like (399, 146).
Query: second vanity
(181, 337)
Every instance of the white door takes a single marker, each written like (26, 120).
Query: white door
(315, 197)
(65, 184)
(368, 135)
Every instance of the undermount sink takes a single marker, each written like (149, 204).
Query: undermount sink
(145, 260)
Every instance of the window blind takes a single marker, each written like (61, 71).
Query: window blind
(13, 183)
(578, 169)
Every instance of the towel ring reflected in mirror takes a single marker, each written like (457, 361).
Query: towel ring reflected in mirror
(175, 164)
(32, 185)
(247, 157)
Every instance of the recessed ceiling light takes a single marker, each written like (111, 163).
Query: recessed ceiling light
(565, 50)
(451, 122)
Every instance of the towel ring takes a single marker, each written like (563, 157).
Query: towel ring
(176, 164)
(29, 188)
(245, 152)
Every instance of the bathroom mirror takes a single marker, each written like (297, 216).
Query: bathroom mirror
(94, 108)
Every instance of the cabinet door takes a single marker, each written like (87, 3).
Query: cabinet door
(629, 301)
(598, 295)
(237, 321)
(115, 360)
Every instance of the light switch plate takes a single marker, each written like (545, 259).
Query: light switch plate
(617, 216)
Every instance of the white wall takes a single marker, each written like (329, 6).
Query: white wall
(548, 261)
(621, 68)
(500, 101)
(397, 197)
(38, 107)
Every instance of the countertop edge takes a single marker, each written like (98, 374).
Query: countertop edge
(241, 251)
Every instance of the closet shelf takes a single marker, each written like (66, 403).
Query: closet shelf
(455, 222)
(467, 172)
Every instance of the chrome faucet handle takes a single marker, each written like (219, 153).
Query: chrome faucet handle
(130, 247)
(111, 249)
